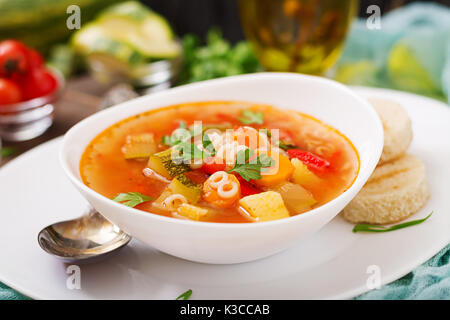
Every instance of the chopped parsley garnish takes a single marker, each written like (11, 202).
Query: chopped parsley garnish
(286, 145)
(267, 132)
(185, 296)
(208, 145)
(131, 199)
(250, 169)
(250, 117)
(188, 151)
(8, 151)
(375, 228)
(177, 136)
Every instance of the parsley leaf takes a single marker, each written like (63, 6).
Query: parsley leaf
(8, 151)
(187, 151)
(375, 228)
(208, 145)
(131, 199)
(251, 170)
(185, 296)
(286, 145)
(177, 136)
(250, 117)
(267, 132)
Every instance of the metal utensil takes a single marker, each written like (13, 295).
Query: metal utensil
(84, 238)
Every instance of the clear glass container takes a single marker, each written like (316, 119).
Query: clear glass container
(29, 119)
(148, 77)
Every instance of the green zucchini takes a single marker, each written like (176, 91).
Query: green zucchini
(163, 164)
(184, 186)
(42, 23)
(139, 146)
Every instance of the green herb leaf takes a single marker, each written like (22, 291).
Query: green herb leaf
(251, 170)
(185, 296)
(187, 152)
(250, 117)
(216, 58)
(208, 145)
(285, 145)
(131, 199)
(267, 132)
(8, 151)
(182, 125)
(375, 228)
(176, 138)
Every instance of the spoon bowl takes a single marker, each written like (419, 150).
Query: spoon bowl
(87, 237)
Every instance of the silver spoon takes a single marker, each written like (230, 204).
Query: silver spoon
(84, 238)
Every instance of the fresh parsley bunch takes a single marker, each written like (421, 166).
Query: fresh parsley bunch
(217, 58)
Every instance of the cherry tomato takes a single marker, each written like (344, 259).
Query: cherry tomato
(38, 83)
(311, 160)
(13, 58)
(34, 58)
(9, 92)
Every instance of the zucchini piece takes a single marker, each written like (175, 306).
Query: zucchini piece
(139, 146)
(181, 185)
(186, 187)
(162, 164)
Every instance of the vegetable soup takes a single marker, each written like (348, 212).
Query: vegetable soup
(220, 161)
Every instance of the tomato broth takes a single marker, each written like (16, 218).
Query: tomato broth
(316, 163)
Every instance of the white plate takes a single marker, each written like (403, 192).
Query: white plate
(34, 193)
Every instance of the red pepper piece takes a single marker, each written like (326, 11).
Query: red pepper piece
(213, 165)
(247, 188)
(311, 160)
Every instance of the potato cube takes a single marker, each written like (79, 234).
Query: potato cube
(296, 198)
(303, 176)
(265, 206)
(192, 212)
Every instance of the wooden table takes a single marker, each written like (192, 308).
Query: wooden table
(81, 98)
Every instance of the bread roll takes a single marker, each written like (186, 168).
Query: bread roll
(395, 191)
(397, 129)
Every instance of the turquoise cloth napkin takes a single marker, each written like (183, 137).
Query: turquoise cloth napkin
(410, 52)
(429, 281)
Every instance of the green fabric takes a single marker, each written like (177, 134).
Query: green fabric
(410, 52)
(429, 281)
(6, 293)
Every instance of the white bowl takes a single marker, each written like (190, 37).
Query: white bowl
(224, 243)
